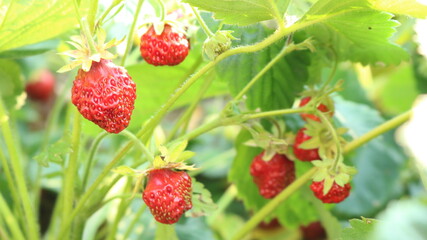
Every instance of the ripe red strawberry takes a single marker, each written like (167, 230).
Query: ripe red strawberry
(322, 107)
(304, 154)
(105, 95)
(167, 194)
(41, 86)
(313, 231)
(168, 48)
(272, 176)
(335, 195)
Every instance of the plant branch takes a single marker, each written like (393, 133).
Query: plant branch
(335, 137)
(131, 31)
(21, 187)
(93, 149)
(139, 144)
(92, 15)
(202, 23)
(387, 126)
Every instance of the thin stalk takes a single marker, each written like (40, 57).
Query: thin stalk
(21, 187)
(189, 111)
(335, 137)
(87, 33)
(285, 50)
(273, 204)
(134, 221)
(274, 113)
(10, 220)
(11, 184)
(276, 13)
(162, 10)
(387, 126)
(92, 15)
(139, 144)
(93, 149)
(202, 23)
(70, 172)
(131, 31)
(124, 203)
(106, 12)
(165, 231)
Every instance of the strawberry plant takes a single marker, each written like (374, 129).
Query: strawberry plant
(198, 119)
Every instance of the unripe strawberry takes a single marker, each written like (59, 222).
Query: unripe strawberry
(105, 95)
(169, 48)
(304, 154)
(168, 194)
(41, 86)
(335, 195)
(322, 107)
(272, 176)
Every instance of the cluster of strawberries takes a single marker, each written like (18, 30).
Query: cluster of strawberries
(274, 175)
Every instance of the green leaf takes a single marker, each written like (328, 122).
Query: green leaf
(156, 84)
(355, 31)
(279, 86)
(201, 200)
(11, 82)
(378, 162)
(20, 53)
(406, 7)
(404, 219)
(55, 151)
(125, 171)
(239, 12)
(33, 21)
(360, 229)
(294, 211)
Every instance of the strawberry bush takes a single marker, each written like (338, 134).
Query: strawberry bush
(227, 119)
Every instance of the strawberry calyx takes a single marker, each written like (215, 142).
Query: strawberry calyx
(321, 138)
(326, 172)
(174, 156)
(84, 54)
(217, 44)
(271, 143)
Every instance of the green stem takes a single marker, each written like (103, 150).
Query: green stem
(335, 137)
(92, 15)
(131, 31)
(285, 50)
(134, 221)
(274, 113)
(273, 204)
(70, 172)
(276, 14)
(187, 114)
(106, 12)
(139, 144)
(10, 220)
(202, 23)
(93, 149)
(87, 33)
(162, 10)
(124, 203)
(387, 126)
(165, 231)
(21, 187)
(331, 76)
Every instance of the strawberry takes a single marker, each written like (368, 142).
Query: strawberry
(272, 176)
(168, 48)
(304, 154)
(313, 231)
(105, 95)
(167, 194)
(335, 195)
(322, 107)
(41, 86)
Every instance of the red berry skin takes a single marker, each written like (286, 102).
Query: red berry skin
(272, 176)
(313, 231)
(41, 86)
(335, 195)
(304, 154)
(105, 95)
(321, 107)
(168, 194)
(169, 48)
